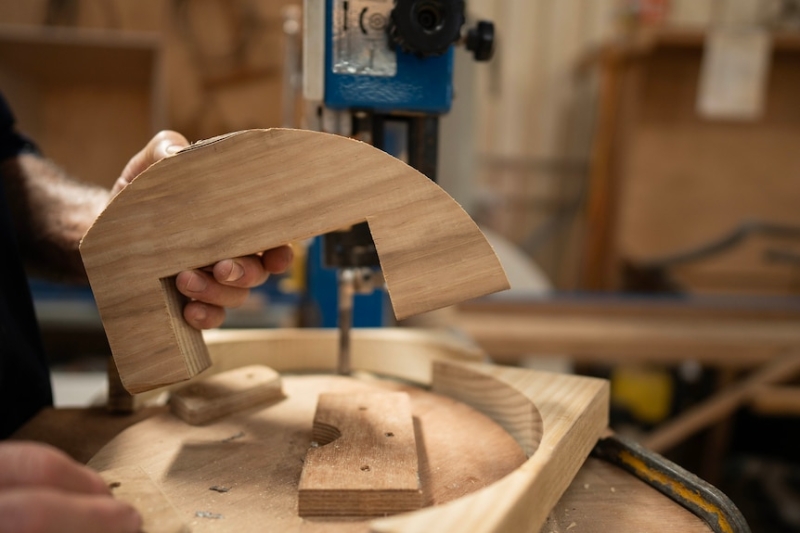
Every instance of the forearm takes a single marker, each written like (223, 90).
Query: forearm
(51, 212)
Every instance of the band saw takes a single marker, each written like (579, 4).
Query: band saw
(423, 436)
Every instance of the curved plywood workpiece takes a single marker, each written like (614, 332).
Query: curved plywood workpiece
(254, 190)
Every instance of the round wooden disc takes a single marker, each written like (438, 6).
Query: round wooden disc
(258, 455)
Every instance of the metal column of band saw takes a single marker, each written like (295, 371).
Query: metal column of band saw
(376, 68)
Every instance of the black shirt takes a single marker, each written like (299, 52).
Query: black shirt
(24, 376)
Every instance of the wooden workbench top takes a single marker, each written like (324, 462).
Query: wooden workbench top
(601, 498)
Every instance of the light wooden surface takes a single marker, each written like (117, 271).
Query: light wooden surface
(363, 458)
(601, 498)
(404, 353)
(258, 455)
(132, 485)
(179, 215)
(225, 393)
(573, 411)
(609, 337)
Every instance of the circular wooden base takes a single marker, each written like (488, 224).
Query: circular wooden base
(258, 456)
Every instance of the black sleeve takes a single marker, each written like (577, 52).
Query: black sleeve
(12, 143)
(24, 374)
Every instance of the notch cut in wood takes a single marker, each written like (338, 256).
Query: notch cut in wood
(366, 461)
(132, 485)
(254, 190)
(225, 393)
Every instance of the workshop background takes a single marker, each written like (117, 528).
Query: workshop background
(638, 163)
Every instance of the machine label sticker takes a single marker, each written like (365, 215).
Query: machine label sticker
(360, 38)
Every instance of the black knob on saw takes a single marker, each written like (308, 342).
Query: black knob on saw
(480, 41)
(426, 27)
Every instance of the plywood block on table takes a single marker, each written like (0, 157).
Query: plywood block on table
(254, 190)
(226, 393)
(363, 459)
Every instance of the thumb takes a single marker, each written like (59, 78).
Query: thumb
(163, 144)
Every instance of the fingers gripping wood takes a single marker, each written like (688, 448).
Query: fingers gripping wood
(252, 191)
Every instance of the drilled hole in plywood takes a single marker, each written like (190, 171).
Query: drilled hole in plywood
(365, 468)
(389, 434)
(114, 485)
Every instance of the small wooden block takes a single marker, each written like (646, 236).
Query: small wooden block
(132, 485)
(226, 393)
(366, 461)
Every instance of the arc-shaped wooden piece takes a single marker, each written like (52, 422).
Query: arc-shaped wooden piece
(254, 190)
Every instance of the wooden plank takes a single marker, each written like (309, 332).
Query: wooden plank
(132, 485)
(735, 343)
(776, 400)
(687, 307)
(363, 459)
(296, 183)
(722, 404)
(225, 393)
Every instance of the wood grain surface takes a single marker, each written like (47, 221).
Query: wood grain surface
(254, 190)
(601, 498)
(225, 393)
(132, 485)
(574, 412)
(256, 457)
(363, 459)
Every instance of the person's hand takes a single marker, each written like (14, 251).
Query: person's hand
(224, 284)
(164, 144)
(44, 491)
(227, 284)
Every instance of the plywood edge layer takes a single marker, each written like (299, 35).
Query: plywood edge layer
(358, 503)
(498, 400)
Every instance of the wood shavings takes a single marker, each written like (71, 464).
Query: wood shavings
(573, 524)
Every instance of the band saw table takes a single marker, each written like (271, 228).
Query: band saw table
(424, 437)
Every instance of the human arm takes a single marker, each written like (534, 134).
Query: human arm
(225, 284)
(53, 211)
